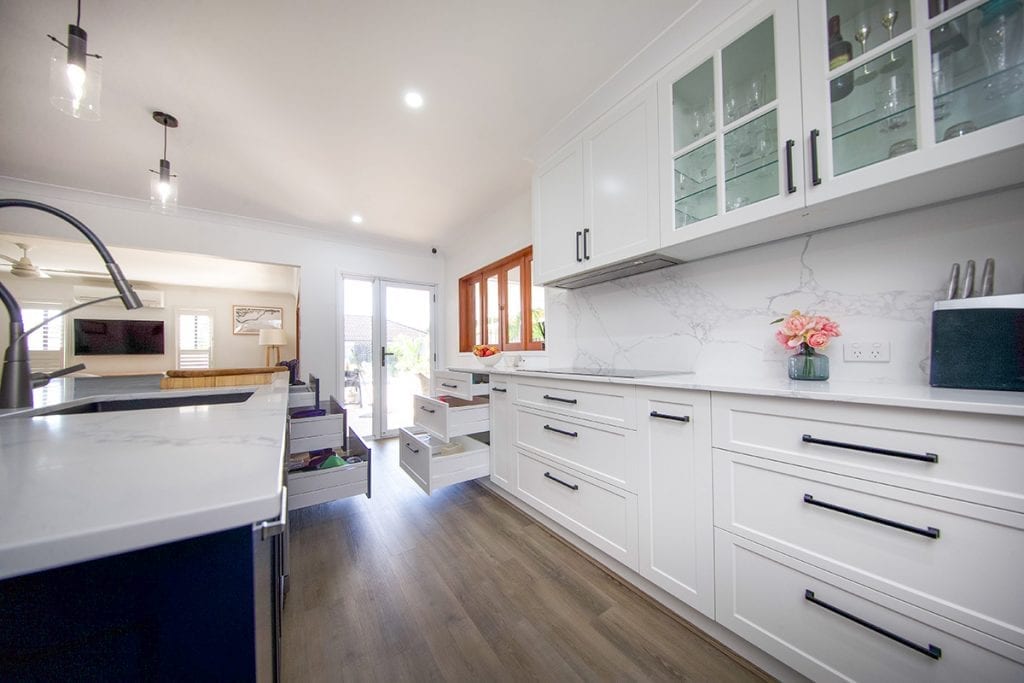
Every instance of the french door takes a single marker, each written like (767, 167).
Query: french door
(388, 351)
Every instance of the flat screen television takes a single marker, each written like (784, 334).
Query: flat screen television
(115, 337)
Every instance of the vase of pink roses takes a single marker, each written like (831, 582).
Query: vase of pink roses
(807, 334)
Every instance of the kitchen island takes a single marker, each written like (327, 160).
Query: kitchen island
(143, 543)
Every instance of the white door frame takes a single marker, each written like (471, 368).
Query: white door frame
(378, 338)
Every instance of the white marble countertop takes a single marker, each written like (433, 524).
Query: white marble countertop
(874, 393)
(80, 487)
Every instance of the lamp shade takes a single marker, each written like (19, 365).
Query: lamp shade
(273, 337)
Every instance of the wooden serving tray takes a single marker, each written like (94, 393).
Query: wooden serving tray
(228, 377)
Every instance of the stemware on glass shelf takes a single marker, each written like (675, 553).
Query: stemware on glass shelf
(696, 184)
(748, 72)
(867, 125)
(861, 36)
(980, 64)
(693, 109)
(751, 161)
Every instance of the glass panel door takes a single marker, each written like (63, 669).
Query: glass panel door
(978, 83)
(407, 350)
(359, 360)
(693, 125)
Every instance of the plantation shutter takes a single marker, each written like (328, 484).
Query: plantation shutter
(195, 340)
(45, 345)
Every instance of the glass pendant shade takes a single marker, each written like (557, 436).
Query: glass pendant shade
(75, 79)
(163, 189)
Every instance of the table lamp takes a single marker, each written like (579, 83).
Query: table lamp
(273, 339)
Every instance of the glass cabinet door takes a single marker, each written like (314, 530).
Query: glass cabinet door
(888, 84)
(727, 123)
(977, 67)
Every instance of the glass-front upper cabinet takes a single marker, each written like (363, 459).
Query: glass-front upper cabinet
(735, 125)
(895, 88)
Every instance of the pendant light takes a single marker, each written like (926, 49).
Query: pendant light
(75, 86)
(163, 187)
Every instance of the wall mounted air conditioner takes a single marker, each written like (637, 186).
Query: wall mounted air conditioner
(151, 298)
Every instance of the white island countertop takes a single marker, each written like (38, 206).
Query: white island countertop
(80, 487)
(1010, 403)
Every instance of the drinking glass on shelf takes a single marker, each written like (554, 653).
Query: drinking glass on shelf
(733, 105)
(895, 94)
(755, 93)
(889, 17)
(999, 36)
(861, 36)
(941, 83)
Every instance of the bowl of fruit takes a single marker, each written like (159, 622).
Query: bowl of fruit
(488, 354)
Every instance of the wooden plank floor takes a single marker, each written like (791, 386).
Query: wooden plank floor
(461, 586)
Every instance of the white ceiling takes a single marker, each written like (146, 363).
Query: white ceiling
(152, 267)
(292, 111)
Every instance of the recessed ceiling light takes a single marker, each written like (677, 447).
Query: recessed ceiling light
(356, 218)
(413, 99)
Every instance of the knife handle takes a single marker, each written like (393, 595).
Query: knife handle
(988, 277)
(968, 290)
(954, 282)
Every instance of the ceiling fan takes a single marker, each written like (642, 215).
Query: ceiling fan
(23, 267)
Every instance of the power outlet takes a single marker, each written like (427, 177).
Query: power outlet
(867, 352)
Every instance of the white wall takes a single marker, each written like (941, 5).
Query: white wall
(126, 222)
(229, 350)
(878, 279)
(506, 230)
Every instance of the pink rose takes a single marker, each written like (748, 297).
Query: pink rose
(817, 340)
(796, 325)
(830, 328)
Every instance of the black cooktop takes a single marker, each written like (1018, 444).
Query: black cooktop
(609, 372)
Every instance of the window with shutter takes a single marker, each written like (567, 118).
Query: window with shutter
(195, 340)
(45, 345)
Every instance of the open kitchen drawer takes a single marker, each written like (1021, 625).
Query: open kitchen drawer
(433, 463)
(447, 417)
(313, 432)
(460, 384)
(310, 487)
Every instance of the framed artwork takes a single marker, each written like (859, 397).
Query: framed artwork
(252, 319)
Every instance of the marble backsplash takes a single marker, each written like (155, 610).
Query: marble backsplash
(878, 279)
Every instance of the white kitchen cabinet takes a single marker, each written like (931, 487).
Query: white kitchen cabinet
(502, 455)
(731, 126)
(923, 99)
(596, 201)
(465, 385)
(450, 417)
(833, 629)
(676, 515)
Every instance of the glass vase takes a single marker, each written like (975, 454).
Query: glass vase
(808, 365)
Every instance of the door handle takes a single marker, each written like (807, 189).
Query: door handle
(578, 235)
(815, 175)
(574, 487)
(930, 532)
(272, 528)
(414, 450)
(428, 410)
(665, 416)
(923, 457)
(790, 187)
(586, 252)
(503, 391)
(930, 651)
(384, 353)
(560, 400)
(556, 430)
(449, 386)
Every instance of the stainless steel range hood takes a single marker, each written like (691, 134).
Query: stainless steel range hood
(616, 271)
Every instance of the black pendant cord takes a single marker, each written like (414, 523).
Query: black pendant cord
(165, 141)
(78, 19)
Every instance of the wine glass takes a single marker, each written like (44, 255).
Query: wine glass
(889, 17)
(861, 36)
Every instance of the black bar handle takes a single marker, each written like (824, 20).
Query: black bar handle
(586, 252)
(677, 418)
(931, 651)
(574, 487)
(428, 410)
(790, 186)
(560, 400)
(926, 457)
(578, 235)
(414, 450)
(815, 176)
(504, 391)
(930, 532)
(561, 431)
(450, 386)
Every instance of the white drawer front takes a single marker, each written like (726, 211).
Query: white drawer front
(601, 515)
(446, 420)
(970, 571)
(422, 458)
(605, 452)
(458, 384)
(762, 596)
(311, 488)
(315, 443)
(611, 404)
(979, 457)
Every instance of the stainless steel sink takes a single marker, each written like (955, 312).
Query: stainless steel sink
(111, 405)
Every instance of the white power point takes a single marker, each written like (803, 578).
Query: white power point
(867, 352)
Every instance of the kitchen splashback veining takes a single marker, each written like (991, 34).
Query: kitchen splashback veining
(878, 279)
